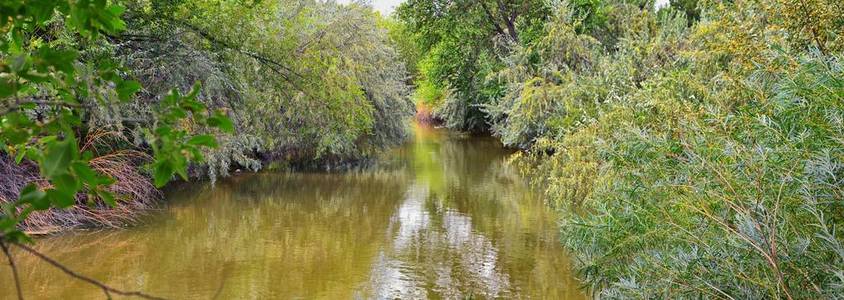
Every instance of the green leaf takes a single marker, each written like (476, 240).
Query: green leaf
(194, 90)
(183, 172)
(8, 209)
(66, 184)
(172, 98)
(19, 156)
(178, 113)
(40, 10)
(7, 224)
(7, 87)
(87, 155)
(61, 60)
(127, 88)
(84, 172)
(193, 105)
(37, 198)
(60, 199)
(107, 197)
(162, 172)
(116, 23)
(164, 131)
(221, 121)
(17, 62)
(203, 140)
(17, 236)
(195, 154)
(58, 156)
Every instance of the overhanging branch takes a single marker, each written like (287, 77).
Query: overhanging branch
(106, 289)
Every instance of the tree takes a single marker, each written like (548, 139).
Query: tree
(463, 42)
(299, 77)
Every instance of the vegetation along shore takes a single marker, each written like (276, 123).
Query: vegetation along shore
(689, 148)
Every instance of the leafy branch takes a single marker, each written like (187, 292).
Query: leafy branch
(32, 66)
(108, 290)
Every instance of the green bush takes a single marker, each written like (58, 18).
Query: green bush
(688, 161)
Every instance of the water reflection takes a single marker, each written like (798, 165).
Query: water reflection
(442, 217)
(468, 227)
(445, 251)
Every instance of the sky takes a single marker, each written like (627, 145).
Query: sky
(386, 7)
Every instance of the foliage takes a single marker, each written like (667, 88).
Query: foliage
(463, 42)
(688, 159)
(690, 7)
(48, 88)
(402, 39)
(136, 192)
(591, 14)
(303, 80)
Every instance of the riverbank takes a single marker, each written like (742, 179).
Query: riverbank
(133, 188)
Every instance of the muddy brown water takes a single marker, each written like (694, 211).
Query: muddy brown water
(441, 217)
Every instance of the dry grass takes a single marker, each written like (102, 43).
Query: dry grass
(133, 190)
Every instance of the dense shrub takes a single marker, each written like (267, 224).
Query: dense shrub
(688, 159)
(303, 80)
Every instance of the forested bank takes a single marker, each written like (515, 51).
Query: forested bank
(104, 102)
(692, 149)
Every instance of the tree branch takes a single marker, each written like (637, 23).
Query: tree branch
(277, 67)
(14, 269)
(106, 289)
(40, 100)
(509, 20)
(492, 18)
(216, 41)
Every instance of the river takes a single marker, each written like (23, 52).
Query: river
(441, 217)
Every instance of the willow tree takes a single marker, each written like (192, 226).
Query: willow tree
(305, 81)
(693, 159)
